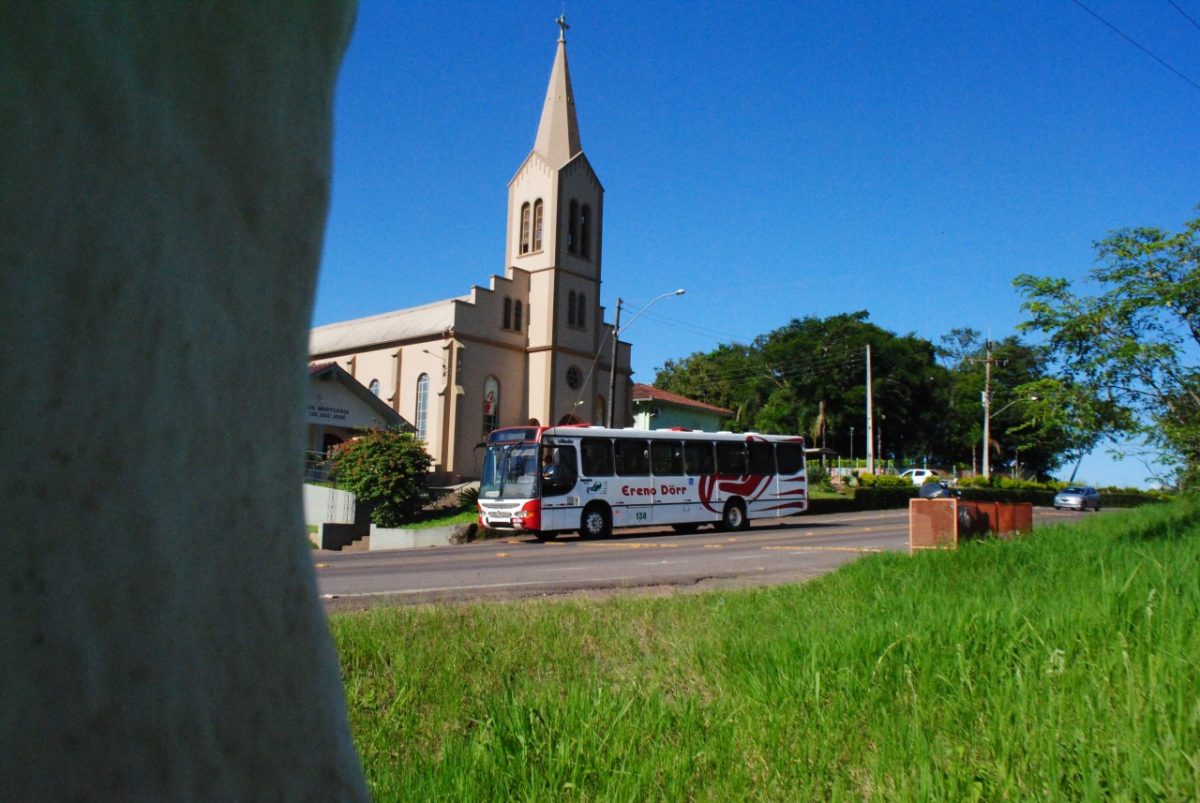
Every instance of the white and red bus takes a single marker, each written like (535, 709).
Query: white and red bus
(550, 480)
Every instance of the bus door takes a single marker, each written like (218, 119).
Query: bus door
(559, 476)
(673, 497)
(632, 494)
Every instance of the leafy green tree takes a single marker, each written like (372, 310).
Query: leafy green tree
(809, 377)
(1026, 428)
(387, 470)
(1133, 347)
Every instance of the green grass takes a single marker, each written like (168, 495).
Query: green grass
(444, 520)
(1061, 666)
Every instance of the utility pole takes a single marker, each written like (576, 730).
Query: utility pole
(612, 375)
(987, 409)
(870, 419)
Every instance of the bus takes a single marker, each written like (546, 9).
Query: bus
(577, 477)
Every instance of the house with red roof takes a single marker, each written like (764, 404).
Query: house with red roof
(654, 408)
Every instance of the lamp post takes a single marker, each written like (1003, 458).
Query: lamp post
(616, 334)
(987, 418)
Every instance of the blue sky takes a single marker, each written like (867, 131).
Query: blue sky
(777, 160)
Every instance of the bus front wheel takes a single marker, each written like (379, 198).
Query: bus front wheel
(596, 522)
(734, 517)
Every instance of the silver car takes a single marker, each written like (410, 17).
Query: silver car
(1077, 498)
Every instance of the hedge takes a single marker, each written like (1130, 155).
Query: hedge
(894, 498)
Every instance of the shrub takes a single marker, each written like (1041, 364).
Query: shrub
(884, 481)
(468, 498)
(386, 470)
(818, 478)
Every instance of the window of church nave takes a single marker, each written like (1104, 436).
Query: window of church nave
(517, 317)
(581, 311)
(525, 228)
(422, 414)
(491, 404)
(507, 320)
(571, 308)
(537, 225)
(574, 377)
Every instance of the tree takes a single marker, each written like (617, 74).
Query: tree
(386, 469)
(809, 377)
(1025, 425)
(1132, 348)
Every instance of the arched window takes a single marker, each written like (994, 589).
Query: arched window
(581, 311)
(537, 225)
(585, 232)
(374, 386)
(422, 414)
(517, 317)
(491, 404)
(573, 228)
(525, 228)
(507, 324)
(571, 308)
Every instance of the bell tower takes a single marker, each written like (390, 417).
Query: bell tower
(555, 234)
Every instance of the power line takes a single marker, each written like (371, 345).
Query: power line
(1186, 16)
(1131, 41)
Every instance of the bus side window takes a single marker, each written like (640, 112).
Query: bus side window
(731, 458)
(698, 456)
(597, 457)
(559, 472)
(666, 458)
(790, 457)
(633, 458)
(762, 458)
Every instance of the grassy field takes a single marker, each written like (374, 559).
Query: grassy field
(1061, 666)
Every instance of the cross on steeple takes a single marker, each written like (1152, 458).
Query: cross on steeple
(562, 24)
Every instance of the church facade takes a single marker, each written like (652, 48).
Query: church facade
(533, 344)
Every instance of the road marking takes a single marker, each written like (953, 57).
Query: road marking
(502, 554)
(823, 548)
(322, 565)
(632, 546)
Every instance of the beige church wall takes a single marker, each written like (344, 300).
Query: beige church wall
(484, 315)
(164, 182)
(479, 361)
(374, 364)
(576, 338)
(536, 179)
(414, 361)
(540, 380)
(577, 181)
(541, 304)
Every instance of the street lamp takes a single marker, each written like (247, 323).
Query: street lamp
(988, 415)
(616, 333)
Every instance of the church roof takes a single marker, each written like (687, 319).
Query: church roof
(558, 132)
(406, 324)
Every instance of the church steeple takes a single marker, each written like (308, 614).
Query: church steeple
(558, 132)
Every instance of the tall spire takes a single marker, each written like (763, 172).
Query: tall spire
(558, 132)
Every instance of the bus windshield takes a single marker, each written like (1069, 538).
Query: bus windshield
(510, 471)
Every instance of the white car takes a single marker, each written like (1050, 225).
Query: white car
(919, 476)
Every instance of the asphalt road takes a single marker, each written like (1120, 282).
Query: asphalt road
(645, 559)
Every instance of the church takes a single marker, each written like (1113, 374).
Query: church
(533, 344)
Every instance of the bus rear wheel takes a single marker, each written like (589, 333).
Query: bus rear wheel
(596, 522)
(734, 517)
